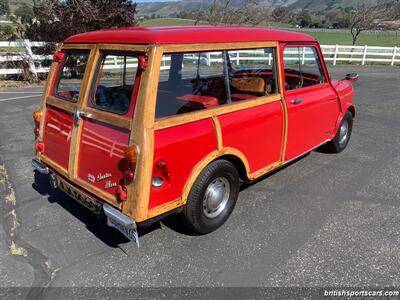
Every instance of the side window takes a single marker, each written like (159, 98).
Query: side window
(302, 67)
(252, 73)
(70, 75)
(190, 82)
(114, 83)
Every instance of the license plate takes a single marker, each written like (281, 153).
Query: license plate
(129, 231)
(77, 195)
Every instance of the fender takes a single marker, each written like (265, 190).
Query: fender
(346, 107)
(205, 161)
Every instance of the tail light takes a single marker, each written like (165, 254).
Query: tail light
(37, 116)
(40, 147)
(121, 193)
(131, 153)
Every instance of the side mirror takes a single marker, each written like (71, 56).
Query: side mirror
(351, 77)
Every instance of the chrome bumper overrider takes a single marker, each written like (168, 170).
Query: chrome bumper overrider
(40, 167)
(118, 216)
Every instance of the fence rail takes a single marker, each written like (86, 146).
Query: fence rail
(332, 53)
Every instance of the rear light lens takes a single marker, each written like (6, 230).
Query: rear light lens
(121, 193)
(37, 116)
(128, 175)
(131, 153)
(40, 147)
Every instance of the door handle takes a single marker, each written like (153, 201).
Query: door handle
(297, 101)
(78, 115)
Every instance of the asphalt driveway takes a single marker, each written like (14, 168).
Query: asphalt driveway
(325, 220)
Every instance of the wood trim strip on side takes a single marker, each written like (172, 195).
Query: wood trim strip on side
(78, 46)
(61, 104)
(122, 47)
(283, 103)
(159, 210)
(142, 135)
(216, 111)
(218, 132)
(216, 46)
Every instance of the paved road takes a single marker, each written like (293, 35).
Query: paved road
(326, 220)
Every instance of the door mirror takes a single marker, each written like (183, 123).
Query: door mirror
(351, 77)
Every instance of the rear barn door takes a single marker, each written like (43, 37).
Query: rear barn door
(105, 123)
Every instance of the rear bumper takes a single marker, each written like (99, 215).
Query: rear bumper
(82, 197)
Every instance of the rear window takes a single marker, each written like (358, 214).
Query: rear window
(70, 75)
(114, 82)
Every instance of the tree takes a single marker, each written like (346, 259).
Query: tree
(55, 20)
(4, 7)
(25, 12)
(230, 12)
(280, 14)
(364, 18)
(304, 19)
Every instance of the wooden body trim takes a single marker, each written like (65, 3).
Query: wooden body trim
(216, 111)
(142, 135)
(216, 46)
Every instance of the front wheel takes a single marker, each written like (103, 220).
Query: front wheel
(342, 137)
(212, 197)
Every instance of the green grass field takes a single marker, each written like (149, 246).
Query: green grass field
(344, 38)
(325, 38)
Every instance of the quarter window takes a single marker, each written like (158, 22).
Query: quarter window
(302, 67)
(201, 80)
(114, 84)
(190, 82)
(71, 75)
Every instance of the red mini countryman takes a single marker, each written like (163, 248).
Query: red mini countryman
(139, 123)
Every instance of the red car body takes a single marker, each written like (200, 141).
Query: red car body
(144, 166)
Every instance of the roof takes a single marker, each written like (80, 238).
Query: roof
(187, 35)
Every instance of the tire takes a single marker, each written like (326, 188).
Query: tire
(342, 137)
(212, 197)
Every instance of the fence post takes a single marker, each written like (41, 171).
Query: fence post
(335, 54)
(394, 56)
(364, 55)
(31, 62)
(238, 58)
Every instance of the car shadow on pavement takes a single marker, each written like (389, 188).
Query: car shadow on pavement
(96, 225)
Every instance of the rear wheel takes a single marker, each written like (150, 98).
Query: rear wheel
(342, 137)
(212, 197)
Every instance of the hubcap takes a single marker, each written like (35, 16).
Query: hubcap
(343, 132)
(216, 197)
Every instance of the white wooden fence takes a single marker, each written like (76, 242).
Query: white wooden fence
(332, 53)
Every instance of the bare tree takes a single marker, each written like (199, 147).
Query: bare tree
(230, 12)
(364, 18)
(54, 20)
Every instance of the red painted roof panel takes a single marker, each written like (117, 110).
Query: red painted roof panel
(187, 35)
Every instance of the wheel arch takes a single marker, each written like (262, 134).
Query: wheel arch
(232, 155)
